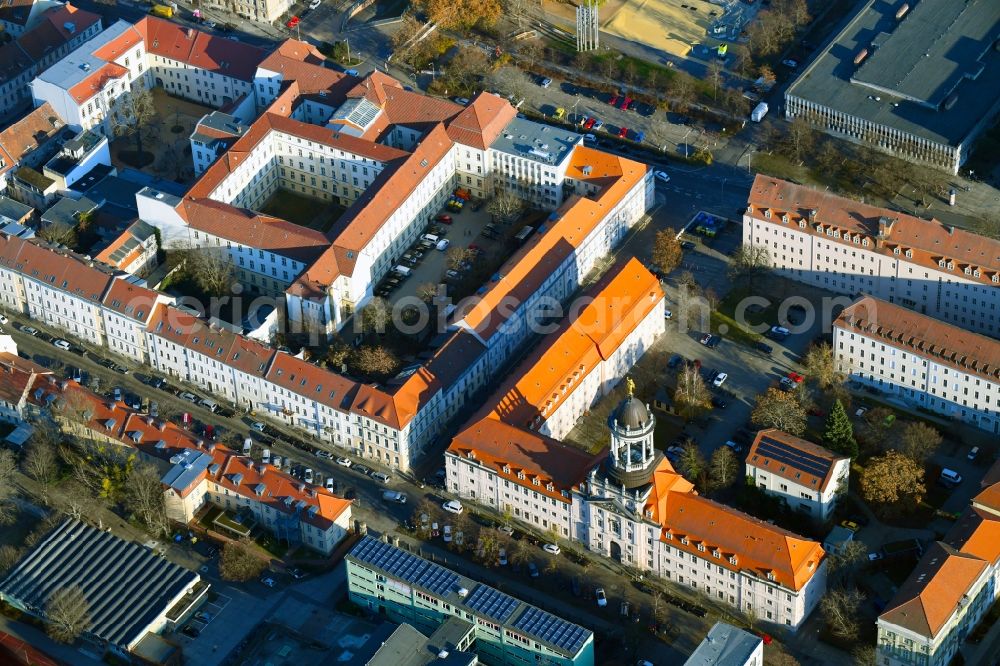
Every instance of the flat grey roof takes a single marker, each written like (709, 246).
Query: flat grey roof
(126, 585)
(408, 647)
(13, 210)
(220, 122)
(938, 48)
(558, 634)
(724, 645)
(187, 465)
(65, 211)
(534, 141)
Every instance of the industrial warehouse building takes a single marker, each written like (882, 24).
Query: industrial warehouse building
(919, 79)
(131, 591)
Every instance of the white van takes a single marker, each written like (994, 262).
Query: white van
(950, 477)
(265, 457)
(402, 270)
(430, 238)
(247, 446)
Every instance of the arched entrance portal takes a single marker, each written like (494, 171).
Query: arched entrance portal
(616, 552)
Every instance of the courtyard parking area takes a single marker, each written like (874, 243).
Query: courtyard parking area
(469, 260)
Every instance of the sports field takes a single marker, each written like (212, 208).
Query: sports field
(673, 26)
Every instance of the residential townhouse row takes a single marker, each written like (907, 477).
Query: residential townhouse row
(196, 472)
(928, 364)
(950, 591)
(626, 503)
(851, 248)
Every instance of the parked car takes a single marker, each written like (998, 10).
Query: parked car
(622, 132)
(62, 344)
(381, 477)
(533, 570)
(973, 453)
(850, 524)
(662, 176)
(446, 535)
(453, 506)
(308, 477)
(315, 3)
(267, 581)
(190, 397)
(720, 379)
(675, 361)
(292, 22)
(545, 82)
(763, 347)
(789, 62)
(331, 485)
(602, 598)
(30, 330)
(551, 548)
(394, 496)
(190, 630)
(502, 557)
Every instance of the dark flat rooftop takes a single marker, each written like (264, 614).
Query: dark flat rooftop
(914, 65)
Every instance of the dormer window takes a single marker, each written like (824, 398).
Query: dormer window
(942, 263)
(909, 254)
(668, 536)
(996, 277)
(895, 250)
(864, 242)
(701, 548)
(520, 475)
(732, 560)
(968, 270)
(784, 218)
(536, 482)
(767, 214)
(951, 265)
(802, 224)
(684, 540)
(549, 487)
(818, 228)
(770, 575)
(506, 469)
(716, 553)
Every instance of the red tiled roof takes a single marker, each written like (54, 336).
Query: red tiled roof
(31, 132)
(131, 300)
(200, 49)
(51, 33)
(97, 80)
(929, 241)
(410, 108)
(924, 336)
(59, 269)
(17, 377)
(481, 122)
(253, 229)
(312, 382)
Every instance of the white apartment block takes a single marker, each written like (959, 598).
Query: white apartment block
(86, 86)
(808, 477)
(950, 591)
(926, 363)
(852, 248)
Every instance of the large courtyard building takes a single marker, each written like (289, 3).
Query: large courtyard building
(626, 503)
(916, 79)
(497, 627)
(926, 363)
(851, 248)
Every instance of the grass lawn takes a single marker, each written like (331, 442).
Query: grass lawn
(302, 210)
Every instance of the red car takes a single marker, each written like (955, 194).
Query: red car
(590, 122)
(613, 101)
(292, 22)
(622, 133)
(625, 103)
(795, 377)
(446, 219)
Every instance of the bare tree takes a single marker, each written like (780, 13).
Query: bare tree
(427, 291)
(505, 206)
(67, 614)
(9, 555)
(133, 112)
(239, 562)
(8, 469)
(723, 467)
(374, 360)
(849, 556)
(779, 409)
(210, 270)
(77, 501)
(750, 262)
(58, 233)
(713, 76)
(376, 316)
(918, 441)
(691, 398)
(456, 256)
(39, 461)
(839, 608)
(144, 498)
(681, 91)
(509, 81)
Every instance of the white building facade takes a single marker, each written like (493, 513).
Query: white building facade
(926, 363)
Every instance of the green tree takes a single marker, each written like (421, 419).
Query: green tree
(691, 463)
(839, 433)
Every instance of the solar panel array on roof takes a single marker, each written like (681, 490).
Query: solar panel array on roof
(551, 629)
(403, 565)
(492, 603)
(782, 452)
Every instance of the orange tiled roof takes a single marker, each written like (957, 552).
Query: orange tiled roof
(97, 81)
(925, 336)
(977, 532)
(57, 268)
(131, 300)
(929, 241)
(794, 466)
(18, 377)
(619, 303)
(758, 546)
(530, 266)
(933, 590)
(510, 451)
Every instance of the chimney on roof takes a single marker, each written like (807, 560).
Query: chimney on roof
(69, 27)
(884, 230)
(189, 33)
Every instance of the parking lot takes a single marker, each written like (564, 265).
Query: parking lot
(423, 263)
